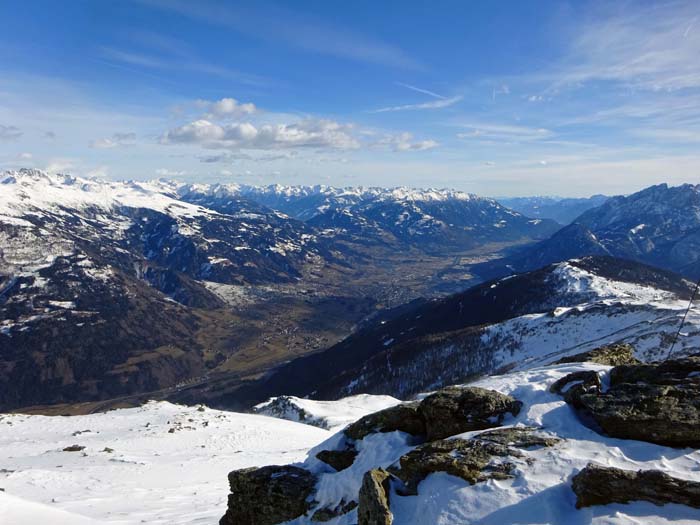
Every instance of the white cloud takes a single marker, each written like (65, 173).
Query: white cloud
(24, 156)
(506, 133)
(99, 172)
(435, 104)
(165, 172)
(405, 142)
(309, 133)
(421, 90)
(117, 140)
(60, 165)
(10, 132)
(227, 107)
(653, 47)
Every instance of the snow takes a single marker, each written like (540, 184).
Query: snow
(333, 415)
(30, 190)
(541, 491)
(152, 476)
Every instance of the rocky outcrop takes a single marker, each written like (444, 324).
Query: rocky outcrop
(454, 410)
(404, 417)
(374, 499)
(659, 403)
(268, 495)
(338, 459)
(611, 355)
(478, 459)
(447, 412)
(328, 513)
(598, 485)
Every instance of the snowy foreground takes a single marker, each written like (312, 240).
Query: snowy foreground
(154, 476)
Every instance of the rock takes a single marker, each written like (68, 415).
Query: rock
(685, 371)
(327, 514)
(576, 383)
(611, 355)
(338, 459)
(374, 499)
(268, 495)
(519, 437)
(597, 485)
(659, 403)
(454, 410)
(471, 460)
(74, 448)
(108, 450)
(404, 417)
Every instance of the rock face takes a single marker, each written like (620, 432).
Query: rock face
(474, 460)
(404, 417)
(338, 459)
(374, 499)
(611, 355)
(659, 403)
(455, 410)
(597, 485)
(268, 495)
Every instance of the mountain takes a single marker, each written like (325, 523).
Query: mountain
(431, 220)
(520, 321)
(560, 209)
(659, 225)
(111, 289)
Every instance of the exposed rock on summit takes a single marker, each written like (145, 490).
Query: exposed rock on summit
(454, 410)
(268, 495)
(659, 403)
(598, 485)
(611, 355)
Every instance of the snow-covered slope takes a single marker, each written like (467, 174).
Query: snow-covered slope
(331, 415)
(519, 321)
(428, 218)
(157, 464)
(659, 225)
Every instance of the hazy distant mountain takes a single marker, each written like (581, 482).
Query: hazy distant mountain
(560, 209)
(433, 220)
(659, 225)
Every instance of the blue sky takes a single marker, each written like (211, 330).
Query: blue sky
(497, 98)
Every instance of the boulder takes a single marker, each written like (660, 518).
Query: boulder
(518, 437)
(572, 385)
(338, 459)
(598, 485)
(470, 460)
(328, 513)
(684, 371)
(374, 499)
(611, 355)
(659, 403)
(403, 417)
(268, 495)
(454, 410)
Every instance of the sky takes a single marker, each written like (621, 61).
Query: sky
(498, 98)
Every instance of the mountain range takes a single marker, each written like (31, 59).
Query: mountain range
(114, 288)
(516, 322)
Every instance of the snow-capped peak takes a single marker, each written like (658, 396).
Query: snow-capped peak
(35, 191)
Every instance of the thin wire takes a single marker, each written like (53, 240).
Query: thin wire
(678, 333)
